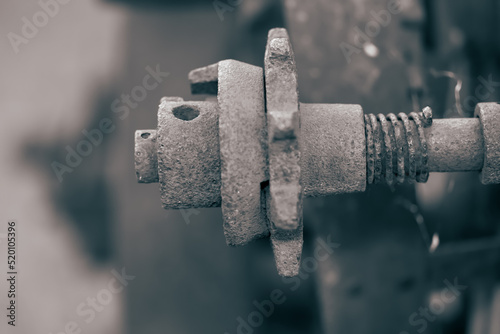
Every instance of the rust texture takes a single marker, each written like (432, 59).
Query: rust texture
(258, 163)
(284, 204)
(188, 154)
(146, 162)
(330, 164)
(242, 134)
(455, 145)
(422, 121)
(333, 149)
(489, 115)
(396, 147)
(287, 246)
(282, 103)
(204, 80)
(400, 148)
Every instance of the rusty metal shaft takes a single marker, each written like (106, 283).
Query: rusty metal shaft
(453, 145)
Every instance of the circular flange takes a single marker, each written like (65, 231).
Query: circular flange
(242, 133)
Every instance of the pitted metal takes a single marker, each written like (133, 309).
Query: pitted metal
(333, 160)
(287, 246)
(389, 142)
(283, 124)
(187, 178)
(453, 145)
(204, 80)
(398, 146)
(258, 165)
(370, 151)
(426, 117)
(489, 115)
(146, 163)
(378, 141)
(411, 154)
(282, 103)
(421, 121)
(242, 133)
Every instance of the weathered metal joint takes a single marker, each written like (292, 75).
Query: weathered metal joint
(257, 152)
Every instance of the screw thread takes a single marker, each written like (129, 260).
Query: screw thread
(396, 147)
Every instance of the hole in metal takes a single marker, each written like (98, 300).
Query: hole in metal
(186, 113)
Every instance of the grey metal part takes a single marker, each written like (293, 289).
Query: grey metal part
(204, 80)
(333, 149)
(242, 133)
(489, 115)
(283, 122)
(285, 196)
(146, 162)
(188, 155)
(287, 246)
(258, 165)
(455, 145)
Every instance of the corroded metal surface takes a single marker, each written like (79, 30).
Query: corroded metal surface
(242, 134)
(188, 154)
(449, 145)
(396, 147)
(287, 246)
(333, 149)
(489, 115)
(455, 145)
(146, 162)
(282, 103)
(423, 172)
(226, 153)
(283, 124)
(204, 80)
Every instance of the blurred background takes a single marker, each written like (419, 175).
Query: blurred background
(98, 254)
